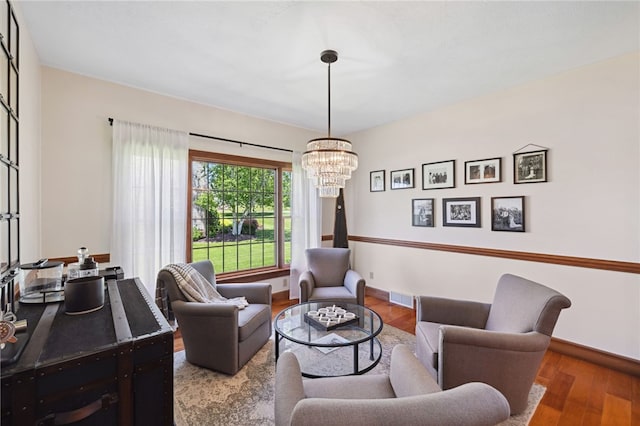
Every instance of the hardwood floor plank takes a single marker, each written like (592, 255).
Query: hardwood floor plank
(545, 416)
(635, 401)
(556, 394)
(617, 411)
(619, 384)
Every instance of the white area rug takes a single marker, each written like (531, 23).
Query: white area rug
(206, 398)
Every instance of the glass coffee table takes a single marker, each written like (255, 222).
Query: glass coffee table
(341, 344)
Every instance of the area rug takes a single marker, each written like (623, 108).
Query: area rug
(206, 398)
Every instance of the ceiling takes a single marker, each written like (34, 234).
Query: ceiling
(262, 58)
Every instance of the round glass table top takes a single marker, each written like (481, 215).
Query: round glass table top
(330, 338)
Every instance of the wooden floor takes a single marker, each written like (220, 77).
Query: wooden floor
(578, 392)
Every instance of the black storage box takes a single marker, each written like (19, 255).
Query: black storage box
(113, 366)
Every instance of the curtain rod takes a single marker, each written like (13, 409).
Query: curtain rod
(229, 140)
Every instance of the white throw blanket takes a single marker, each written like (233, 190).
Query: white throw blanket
(196, 288)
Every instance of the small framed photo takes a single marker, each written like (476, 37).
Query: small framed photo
(402, 179)
(463, 212)
(530, 167)
(376, 181)
(507, 214)
(439, 175)
(422, 212)
(483, 171)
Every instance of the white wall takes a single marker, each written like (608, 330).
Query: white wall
(76, 150)
(589, 120)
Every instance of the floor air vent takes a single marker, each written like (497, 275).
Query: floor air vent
(401, 299)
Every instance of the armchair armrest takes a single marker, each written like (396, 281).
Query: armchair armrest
(407, 375)
(306, 283)
(473, 404)
(451, 311)
(354, 282)
(197, 309)
(506, 361)
(289, 389)
(254, 292)
(205, 326)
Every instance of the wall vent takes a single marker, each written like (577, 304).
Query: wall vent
(401, 299)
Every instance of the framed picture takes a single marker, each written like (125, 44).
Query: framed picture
(483, 171)
(530, 167)
(507, 214)
(376, 181)
(402, 179)
(463, 212)
(439, 175)
(422, 212)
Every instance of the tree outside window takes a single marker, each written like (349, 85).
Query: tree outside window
(240, 213)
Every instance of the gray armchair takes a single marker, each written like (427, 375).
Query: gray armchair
(330, 277)
(220, 336)
(407, 396)
(501, 343)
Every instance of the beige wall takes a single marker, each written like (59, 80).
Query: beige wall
(589, 120)
(76, 148)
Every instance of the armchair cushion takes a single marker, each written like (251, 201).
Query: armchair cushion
(328, 266)
(251, 318)
(329, 277)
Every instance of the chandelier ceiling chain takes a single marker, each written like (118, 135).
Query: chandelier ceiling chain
(329, 161)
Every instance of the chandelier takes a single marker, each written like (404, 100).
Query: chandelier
(329, 161)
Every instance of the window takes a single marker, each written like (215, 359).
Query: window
(240, 212)
(9, 155)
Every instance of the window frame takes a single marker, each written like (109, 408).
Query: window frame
(244, 275)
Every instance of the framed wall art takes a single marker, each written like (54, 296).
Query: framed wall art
(464, 212)
(422, 212)
(376, 181)
(441, 174)
(483, 171)
(507, 214)
(530, 167)
(402, 179)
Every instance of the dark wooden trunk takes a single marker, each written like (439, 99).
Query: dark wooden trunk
(109, 367)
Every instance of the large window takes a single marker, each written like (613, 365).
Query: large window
(240, 212)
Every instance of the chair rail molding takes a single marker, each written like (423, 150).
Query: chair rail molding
(579, 262)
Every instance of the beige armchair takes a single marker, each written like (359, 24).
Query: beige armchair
(220, 336)
(407, 396)
(330, 277)
(501, 343)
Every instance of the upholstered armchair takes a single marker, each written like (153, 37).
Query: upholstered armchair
(408, 395)
(220, 336)
(501, 343)
(330, 277)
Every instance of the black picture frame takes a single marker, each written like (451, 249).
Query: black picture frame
(376, 181)
(462, 212)
(402, 179)
(508, 214)
(530, 167)
(488, 170)
(439, 175)
(422, 212)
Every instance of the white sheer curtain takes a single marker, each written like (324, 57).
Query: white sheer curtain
(306, 222)
(150, 167)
